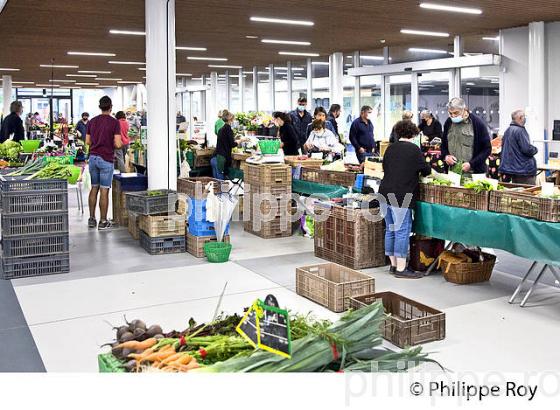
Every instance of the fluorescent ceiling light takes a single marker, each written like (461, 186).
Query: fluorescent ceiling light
(192, 48)
(424, 33)
(319, 63)
(107, 86)
(127, 62)
(491, 38)
(94, 72)
(282, 21)
(252, 37)
(73, 88)
(87, 83)
(108, 79)
(23, 82)
(426, 50)
(373, 58)
(142, 68)
(198, 78)
(58, 66)
(62, 81)
(47, 85)
(128, 32)
(426, 85)
(286, 68)
(452, 9)
(83, 53)
(81, 75)
(224, 66)
(129, 82)
(471, 84)
(291, 53)
(9, 69)
(184, 75)
(207, 58)
(293, 43)
(347, 65)
(248, 72)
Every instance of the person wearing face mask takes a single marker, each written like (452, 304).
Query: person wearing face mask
(287, 133)
(334, 113)
(301, 118)
(361, 134)
(319, 114)
(518, 163)
(429, 126)
(81, 126)
(322, 139)
(465, 139)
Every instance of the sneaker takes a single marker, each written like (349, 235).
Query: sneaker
(104, 225)
(393, 269)
(408, 274)
(92, 223)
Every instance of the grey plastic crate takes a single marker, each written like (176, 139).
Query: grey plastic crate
(26, 202)
(36, 224)
(19, 184)
(162, 246)
(142, 203)
(16, 268)
(27, 246)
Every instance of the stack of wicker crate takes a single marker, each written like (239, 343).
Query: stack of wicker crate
(161, 228)
(268, 189)
(199, 230)
(35, 238)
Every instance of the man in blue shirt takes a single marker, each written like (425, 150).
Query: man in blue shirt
(361, 134)
(301, 119)
(81, 126)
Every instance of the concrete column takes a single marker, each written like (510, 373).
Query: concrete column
(228, 90)
(161, 82)
(309, 83)
(455, 74)
(336, 74)
(414, 97)
(536, 111)
(386, 56)
(272, 87)
(357, 104)
(7, 90)
(241, 90)
(256, 87)
(386, 107)
(212, 109)
(289, 87)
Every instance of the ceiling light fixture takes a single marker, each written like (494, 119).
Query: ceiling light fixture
(128, 32)
(282, 21)
(108, 79)
(47, 85)
(142, 69)
(127, 62)
(81, 75)
(452, 9)
(9, 69)
(23, 82)
(83, 53)
(251, 37)
(224, 66)
(471, 84)
(292, 53)
(491, 38)
(94, 72)
(129, 82)
(424, 33)
(426, 50)
(192, 48)
(293, 43)
(207, 58)
(319, 63)
(373, 58)
(107, 86)
(184, 75)
(87, 83)
(62, 81)
(58, 66)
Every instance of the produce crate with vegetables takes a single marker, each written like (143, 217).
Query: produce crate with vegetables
(407, 322)
(156, 226)
(332, 285)
(195, 244)
(202, 157)
(151, 202)
(304, 161)
(162, 246)
(526, 202)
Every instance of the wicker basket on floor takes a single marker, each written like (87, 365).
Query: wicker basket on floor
(466, 273)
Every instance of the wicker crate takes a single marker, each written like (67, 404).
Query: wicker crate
(293, 161)
(351, 238)
(275, 191)
(466, 273)
(35, 224)
(144, 204)
(429, 193)
(36, 245)
(120, 212)
(16, 268)
(332, 285)
(162, 246)
(17, 185)
(195, 244)
(158, 226)
(202, 157)
(270, 229)
(408, 323)
(268, 175)
(134, 225)
(327, 177)
(266, 204)
(311, 174)
(195, 188)
(464, 198)
(525, 204)
(31, 202)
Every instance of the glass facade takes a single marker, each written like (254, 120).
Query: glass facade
(480, 88)
(433, 93)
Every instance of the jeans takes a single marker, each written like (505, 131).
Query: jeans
(215, 170)
(397, 234)
(101, 172)
(523, 179)
(121, 155)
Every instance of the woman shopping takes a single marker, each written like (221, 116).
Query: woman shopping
(221, 161)
(120, 153)
(403, 163)
(322, 140)
(287, 133)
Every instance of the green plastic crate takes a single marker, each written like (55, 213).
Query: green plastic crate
(270, 147)
(217, 252)
(109, 364)
(30, 146)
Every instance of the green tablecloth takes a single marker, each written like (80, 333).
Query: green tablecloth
(313, 188)
(527, 238)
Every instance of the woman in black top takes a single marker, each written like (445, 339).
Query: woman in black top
(403, 162)
(287, 133)
(221, 161)
(429, 126)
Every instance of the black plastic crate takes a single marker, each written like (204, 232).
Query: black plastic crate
(142, 203)
(27, 246)
(20, 185)
(132, 182)
(162, 246)
(36, 224)
(16, 268)
(26, 202)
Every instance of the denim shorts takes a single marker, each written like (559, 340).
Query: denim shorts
(101, 172)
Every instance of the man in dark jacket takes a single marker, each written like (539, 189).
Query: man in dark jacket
(301, 118)
(465, 139)
(13, 123)
(320, 114)
(81, 126)
(334, 113)
(518, 162)
(361, 134)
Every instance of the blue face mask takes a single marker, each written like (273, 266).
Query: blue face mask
(301, 107)
(457, 120)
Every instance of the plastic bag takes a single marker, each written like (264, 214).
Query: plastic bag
(185, 169)
(86, 178)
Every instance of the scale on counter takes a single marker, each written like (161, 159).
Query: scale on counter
(266, 159)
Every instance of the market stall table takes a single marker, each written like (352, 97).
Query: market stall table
(527, 238)
(552, 168)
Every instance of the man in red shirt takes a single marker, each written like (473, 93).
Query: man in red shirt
(103, 136)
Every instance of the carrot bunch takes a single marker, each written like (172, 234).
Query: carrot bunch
(165, 358)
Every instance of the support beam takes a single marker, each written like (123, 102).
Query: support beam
(241, 90)
(386, 108)
(228, 91)
(256, 88)
(536, 111)
(309, 83)
(336, 74)
(386, 56)
(455, 74)
(272, 87)
(414, 98)
(7, 90)
(357, 104)
(212, 111)
(289, 85)
(162, 83)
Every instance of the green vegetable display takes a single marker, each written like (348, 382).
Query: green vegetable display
(457, 168)
(155, 193)
(10, 150)
(441, 182)
(53, 170)
(479, 186)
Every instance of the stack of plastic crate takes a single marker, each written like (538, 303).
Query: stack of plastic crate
(123, 183)
(35, 239)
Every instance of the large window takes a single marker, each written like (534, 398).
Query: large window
(370, 94)
(235, 105)
(221, 93)
(282, 99)
(249, 97)
(480, 88)
(433, 93)
(299, 82)
(321, 84)
(400, 98)
(264, 90)
(348, 108)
